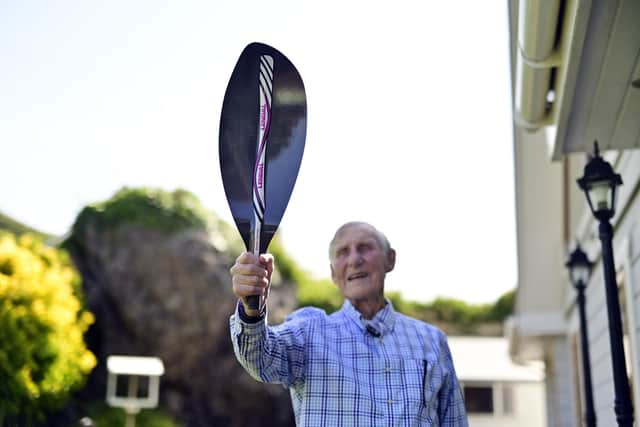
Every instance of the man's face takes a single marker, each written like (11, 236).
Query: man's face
(359, 264)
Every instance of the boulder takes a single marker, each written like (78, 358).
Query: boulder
(168, 294)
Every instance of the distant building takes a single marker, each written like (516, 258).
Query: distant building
(497, 391)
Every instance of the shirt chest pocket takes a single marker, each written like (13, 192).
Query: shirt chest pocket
(415, 380)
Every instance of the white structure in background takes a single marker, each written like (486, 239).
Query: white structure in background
(498, 392)
(134, 368)
(576, 79)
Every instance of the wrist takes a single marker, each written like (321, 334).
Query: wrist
(248, 315)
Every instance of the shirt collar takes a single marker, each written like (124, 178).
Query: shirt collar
(385, 316)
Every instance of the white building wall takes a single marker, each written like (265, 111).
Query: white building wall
(560, 396)
(539, 210)
(528, 409)
(599, 347)
(633, 272)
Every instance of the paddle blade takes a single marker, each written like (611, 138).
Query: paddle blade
(241, 124)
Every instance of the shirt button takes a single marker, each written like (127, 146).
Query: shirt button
(387, 369)
(389, 401)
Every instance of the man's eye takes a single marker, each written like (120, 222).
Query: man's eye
(364, 247)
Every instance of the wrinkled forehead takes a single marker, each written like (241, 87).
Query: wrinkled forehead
(354, 233)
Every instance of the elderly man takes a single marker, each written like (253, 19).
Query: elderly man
(365, 365)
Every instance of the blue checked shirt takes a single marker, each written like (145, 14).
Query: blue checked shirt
(399, 373)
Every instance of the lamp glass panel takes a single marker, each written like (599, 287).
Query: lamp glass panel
(580, 273)
(600, 196)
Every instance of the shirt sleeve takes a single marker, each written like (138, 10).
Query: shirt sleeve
(272, 354)
(452, 411)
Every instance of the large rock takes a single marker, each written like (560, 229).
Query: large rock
(156, 293)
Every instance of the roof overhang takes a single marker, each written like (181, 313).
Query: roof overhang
(576, 70)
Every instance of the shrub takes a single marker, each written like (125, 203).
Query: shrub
(103, 415)
(146, 207)
(320, 293)
(43, 357)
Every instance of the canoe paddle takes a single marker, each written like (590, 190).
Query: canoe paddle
(263, 127)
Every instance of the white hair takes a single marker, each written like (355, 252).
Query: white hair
(380, 237)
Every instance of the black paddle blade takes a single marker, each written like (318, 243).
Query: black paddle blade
(242, 123)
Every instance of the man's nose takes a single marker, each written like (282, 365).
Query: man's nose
(355, 258)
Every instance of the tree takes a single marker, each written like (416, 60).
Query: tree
(43, 357)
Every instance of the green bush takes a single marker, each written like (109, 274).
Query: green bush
(503, 307)
(455, 311)
(150, 208)
(310, 292)
(103, 415)
(323, 294)
(286, 267)
(43, 357)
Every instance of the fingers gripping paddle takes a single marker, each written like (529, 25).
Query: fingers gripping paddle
(262, 133)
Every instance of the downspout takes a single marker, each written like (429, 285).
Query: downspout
(539, 29)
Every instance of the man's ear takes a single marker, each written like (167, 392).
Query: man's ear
(333, 274)
(391, 260)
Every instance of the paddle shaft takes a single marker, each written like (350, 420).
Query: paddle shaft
(265, 85)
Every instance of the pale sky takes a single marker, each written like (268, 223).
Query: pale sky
(409, 121)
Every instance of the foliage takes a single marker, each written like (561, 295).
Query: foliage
(43, 357)
(18, 228)
(225, 237)
(149, 208)
(402, 305)
(503, 307)
(287, 267)
(103, 415)
(323, 294)
(454, 311)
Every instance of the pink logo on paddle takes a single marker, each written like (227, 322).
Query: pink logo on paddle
(263, 116)
(260, 173)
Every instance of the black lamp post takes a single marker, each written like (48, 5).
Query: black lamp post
(579, 271)
(599, 184)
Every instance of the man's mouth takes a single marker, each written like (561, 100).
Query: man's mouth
(356, 276)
